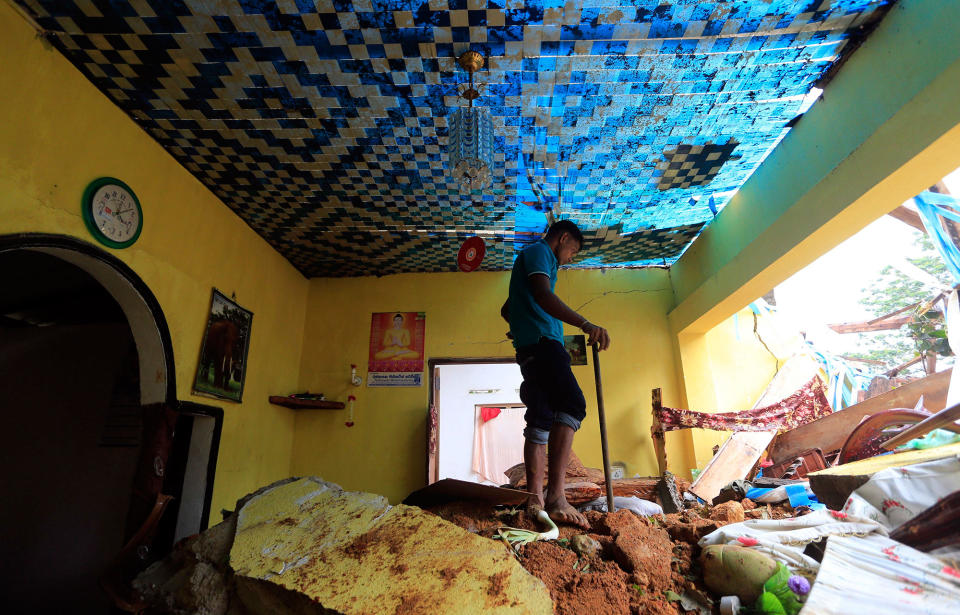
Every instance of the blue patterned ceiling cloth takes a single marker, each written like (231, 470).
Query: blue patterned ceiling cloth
(324, 123)
(470, 147)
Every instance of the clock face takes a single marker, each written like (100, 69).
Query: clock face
(112, 213)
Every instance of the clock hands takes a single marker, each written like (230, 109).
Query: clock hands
(119, 214)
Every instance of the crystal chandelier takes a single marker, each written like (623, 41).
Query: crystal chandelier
(471, 135)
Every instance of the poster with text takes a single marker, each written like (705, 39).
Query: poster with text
(396, 349)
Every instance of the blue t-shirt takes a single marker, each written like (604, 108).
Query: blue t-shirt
(528, 321)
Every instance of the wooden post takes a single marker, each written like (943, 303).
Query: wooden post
(603, 430)
(656, 434)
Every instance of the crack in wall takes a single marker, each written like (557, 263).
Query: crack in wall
(620, 292)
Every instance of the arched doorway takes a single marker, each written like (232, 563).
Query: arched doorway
(84, 348)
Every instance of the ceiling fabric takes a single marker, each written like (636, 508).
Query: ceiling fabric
(323, 124)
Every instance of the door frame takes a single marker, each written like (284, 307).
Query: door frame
(433, 414)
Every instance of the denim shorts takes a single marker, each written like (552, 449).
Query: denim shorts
(549, 390)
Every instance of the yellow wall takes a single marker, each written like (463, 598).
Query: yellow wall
(385, 451)
(58, 133)
(742, 367)
(728, 369)
(886, 129)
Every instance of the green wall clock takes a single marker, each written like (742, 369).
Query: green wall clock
(112, 212)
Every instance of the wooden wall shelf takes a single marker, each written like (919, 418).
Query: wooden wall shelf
(306, 404)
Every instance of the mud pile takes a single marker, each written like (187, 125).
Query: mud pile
(644, 565)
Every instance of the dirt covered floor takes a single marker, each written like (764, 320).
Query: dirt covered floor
(642, 565)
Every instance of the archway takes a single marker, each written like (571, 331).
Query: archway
(84, 346)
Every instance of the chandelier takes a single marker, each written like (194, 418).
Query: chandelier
(471, 135)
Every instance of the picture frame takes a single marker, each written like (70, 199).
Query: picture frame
(576, 347)
(222, 368)
(396, 349)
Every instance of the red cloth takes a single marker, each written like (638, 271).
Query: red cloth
(489, 413)
(806, 405)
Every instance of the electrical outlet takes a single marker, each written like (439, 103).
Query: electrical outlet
(616, 471)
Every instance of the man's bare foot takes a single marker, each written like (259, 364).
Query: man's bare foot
(534, 505)
(562, 512)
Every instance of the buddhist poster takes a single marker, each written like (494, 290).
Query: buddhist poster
(396, 349)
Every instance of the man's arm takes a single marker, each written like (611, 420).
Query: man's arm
(551, 304)
(505, 311)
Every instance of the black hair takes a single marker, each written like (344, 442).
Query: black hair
(565, 226)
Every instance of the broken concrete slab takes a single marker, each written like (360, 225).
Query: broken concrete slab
(352, 552)
(194, 579)
(670, 498)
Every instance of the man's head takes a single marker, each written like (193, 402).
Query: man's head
(565, 239)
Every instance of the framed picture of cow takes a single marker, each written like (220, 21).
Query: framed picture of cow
(222, 368)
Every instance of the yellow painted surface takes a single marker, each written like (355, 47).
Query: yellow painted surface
(886, 129)
(351, 553)
(729, 368)
(58, 133)
(385, 451)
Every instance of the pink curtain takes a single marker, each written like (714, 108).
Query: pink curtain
(497, 443)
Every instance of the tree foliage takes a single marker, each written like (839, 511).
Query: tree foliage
(893, 290)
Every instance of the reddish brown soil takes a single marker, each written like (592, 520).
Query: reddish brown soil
(640, 560)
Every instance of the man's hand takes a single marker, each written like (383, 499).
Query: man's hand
(597, 335)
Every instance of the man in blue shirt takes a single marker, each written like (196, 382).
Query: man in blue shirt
(554, 401)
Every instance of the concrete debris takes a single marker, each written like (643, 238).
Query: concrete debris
(195, 578)
(308, 546)
(728, 512)
(584, 545)
(670, 498)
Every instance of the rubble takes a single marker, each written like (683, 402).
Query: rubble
(307, 546)
(728, 512)
(644, 564)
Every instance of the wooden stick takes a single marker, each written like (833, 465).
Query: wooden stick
(603, 429)
(900, 311)
(858, 360)
(944, 419)
(908, 216)
(896, 370)
(863, 327)
(656, 433)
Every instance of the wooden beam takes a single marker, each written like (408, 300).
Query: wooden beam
(908, 216)
(859, 360)
(900, 311)
(863, 327)
(834, 485)
(830, 432)
(945, 419)
(872, 465)
(896, 370)
(656, 433)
